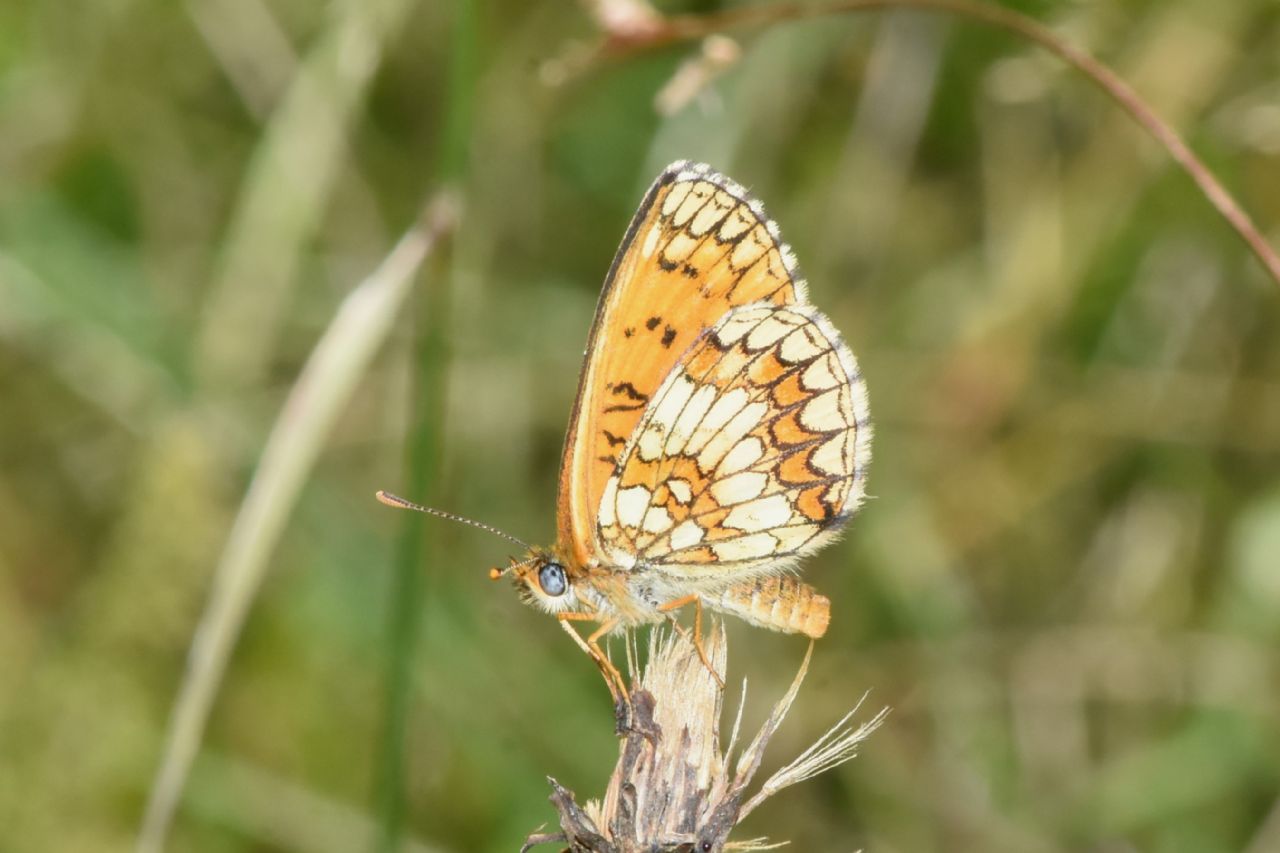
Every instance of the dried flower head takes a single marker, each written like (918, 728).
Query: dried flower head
(673, 788)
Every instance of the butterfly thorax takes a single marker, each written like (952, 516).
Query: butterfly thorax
(554, 580)
(551, 579)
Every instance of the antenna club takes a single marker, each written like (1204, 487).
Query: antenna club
(495, 574)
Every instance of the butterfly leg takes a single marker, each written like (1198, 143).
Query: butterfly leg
(696, 601)
(629, 717)
(612, 677)
(593, 642)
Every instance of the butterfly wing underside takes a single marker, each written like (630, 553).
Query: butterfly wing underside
(751, 453)
(698, 247)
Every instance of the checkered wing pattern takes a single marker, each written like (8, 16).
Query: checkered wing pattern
(751, 453)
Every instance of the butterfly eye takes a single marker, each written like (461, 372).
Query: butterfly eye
(551, 579)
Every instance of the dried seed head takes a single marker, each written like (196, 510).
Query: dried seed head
(672, 788)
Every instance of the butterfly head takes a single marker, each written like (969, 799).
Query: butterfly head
(544, 579)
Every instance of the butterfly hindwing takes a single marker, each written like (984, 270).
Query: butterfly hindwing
(753, 450)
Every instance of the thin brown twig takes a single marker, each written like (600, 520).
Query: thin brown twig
(687, 27)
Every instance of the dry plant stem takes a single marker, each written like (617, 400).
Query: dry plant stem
(331, 373)
(689, 27)
(674, 787)
(297, 163)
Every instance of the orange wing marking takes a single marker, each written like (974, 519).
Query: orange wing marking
(752, 450)
(698, 247)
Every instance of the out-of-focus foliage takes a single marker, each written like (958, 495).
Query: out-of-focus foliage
(1067, 586)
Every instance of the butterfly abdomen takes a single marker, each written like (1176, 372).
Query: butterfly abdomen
(780, 602)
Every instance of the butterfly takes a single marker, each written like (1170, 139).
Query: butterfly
(720, 430)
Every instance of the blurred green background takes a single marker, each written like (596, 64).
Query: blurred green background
(1067, 585)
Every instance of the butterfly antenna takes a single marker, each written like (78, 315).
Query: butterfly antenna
(399, 502)
(496, 574)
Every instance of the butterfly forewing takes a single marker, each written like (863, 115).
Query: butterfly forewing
(698, 248)
(751, 452)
